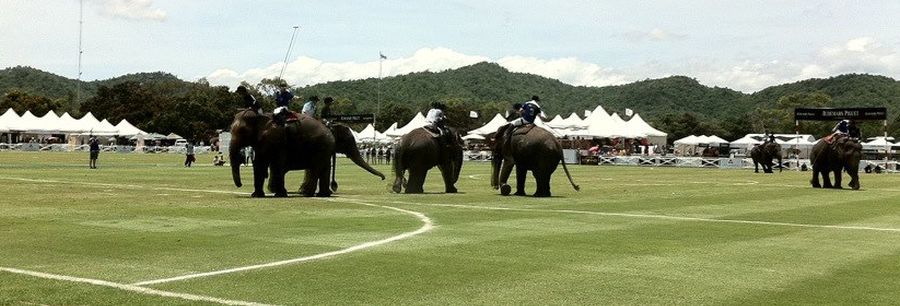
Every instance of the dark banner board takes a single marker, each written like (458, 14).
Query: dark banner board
(835, 114)
(359, 118)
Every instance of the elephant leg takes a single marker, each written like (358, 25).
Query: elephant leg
(505, 170)
(826, 178)
(416, 181)
(521, 175)
(542, 178)
(447, 175)
(276, 182)
(308, 188)
(324, 175)
(815, 178)
(260, 171)
(756, 167)
(837, 179)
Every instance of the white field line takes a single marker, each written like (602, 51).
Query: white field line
(662, 217)
(132, 288)
(427, 226)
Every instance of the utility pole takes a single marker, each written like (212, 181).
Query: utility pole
(381, 59)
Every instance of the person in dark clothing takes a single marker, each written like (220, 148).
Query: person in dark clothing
(516, 112)
(283, 97)
(94, 146)
(326, 110)
(248, 99)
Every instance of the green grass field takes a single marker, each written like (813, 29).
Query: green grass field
(633, 235)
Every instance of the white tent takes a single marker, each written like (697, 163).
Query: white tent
(390, 129)
(638, 124)
(491, 126)
(127, 129)
(105, 128)
(573, 121)
(750, 140)
(370, 134)
(7, 118)
(689, 140)
(25, 123)
(416, 122)
(556, 121)
(878, 143)
(599, 124)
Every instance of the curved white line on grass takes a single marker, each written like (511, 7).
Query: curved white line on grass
(132, 288)
(427, 226)
(664, 217)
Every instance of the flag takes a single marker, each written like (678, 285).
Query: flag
(381, 55)
(629, 112)
(473, 114)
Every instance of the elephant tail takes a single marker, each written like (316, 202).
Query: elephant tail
(562, 159)
(334, 184)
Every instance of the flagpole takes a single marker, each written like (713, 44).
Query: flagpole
(80, 51)
(290, 46)
(378, 99)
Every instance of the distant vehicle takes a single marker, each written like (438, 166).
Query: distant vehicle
(180, 142)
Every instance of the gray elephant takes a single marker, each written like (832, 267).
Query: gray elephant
(842, 154)
(420, 150)
(530, 148)
(764, 154)
(305, 144)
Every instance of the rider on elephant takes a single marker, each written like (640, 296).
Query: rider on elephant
(846, 127)
(325, 114)
(309, 108)
(530, 110)
(282, 100)
(437, 121)
(248, 99)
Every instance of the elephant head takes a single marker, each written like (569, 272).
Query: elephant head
(346, 144)
(849, 152)
(245, 132)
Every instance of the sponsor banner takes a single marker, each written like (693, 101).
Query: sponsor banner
(358, 118)
(834, 114)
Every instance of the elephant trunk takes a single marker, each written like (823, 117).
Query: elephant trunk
(780, 165)
(234, 153)
(357, 159)
(496, 163)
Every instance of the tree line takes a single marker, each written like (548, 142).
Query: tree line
(680, 106)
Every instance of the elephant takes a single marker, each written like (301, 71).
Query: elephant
(420, 150)
(843, 153)
(305, 144)
(764, 154)
(528, 148)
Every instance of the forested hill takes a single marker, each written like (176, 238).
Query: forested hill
(488, 82)
(678, 105)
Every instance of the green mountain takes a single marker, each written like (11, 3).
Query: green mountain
(679, 105)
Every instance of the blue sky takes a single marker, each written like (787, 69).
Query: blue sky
(744, 45)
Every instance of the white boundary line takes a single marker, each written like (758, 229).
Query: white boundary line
(663, 217)
(132, 288)
(427, 226)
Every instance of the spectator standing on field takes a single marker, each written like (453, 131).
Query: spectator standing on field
(94, 145)
(189, 154)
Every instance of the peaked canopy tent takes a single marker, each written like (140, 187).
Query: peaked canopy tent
(490, 127)
(750, 140)
(636, 123)
(416, 122)
(369, 134)
(127, 129)
(879, 143)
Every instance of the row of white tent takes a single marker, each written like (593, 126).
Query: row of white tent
(50, 123)
(785, 140)
(596, 123)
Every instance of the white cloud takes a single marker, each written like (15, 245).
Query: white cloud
(860, 55)
(131, 9)
(656, 34)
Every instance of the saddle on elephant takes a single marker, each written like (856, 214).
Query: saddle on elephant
(830, 139)
(442, 134)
